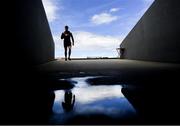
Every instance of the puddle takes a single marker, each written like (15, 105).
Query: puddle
(102, 100)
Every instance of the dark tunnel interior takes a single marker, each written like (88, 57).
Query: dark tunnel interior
(27, 94)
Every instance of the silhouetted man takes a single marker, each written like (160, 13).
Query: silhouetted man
(69, 100)
(67, 36)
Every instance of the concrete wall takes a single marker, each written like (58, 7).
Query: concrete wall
(27, 42)
(156, 36)
(34, 43)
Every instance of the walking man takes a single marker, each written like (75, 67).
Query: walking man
(67, 36)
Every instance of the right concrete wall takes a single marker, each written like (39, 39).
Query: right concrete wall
(156, 37)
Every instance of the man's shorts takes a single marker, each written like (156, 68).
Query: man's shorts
(66, 44)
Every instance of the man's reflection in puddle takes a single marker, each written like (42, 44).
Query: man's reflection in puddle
(69, 100)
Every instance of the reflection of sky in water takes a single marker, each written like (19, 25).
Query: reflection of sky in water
(95, 100)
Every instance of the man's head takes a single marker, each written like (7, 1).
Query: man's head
(66, 28)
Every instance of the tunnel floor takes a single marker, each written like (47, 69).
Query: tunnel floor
(111, 66)
(140, 75)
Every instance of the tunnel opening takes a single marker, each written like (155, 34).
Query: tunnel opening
(97, 35)
(98, 27)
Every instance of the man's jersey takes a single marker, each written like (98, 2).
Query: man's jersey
(66, 36)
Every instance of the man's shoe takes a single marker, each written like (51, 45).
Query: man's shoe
(69, 58)
(65, 59)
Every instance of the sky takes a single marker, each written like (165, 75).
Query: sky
(98, 26)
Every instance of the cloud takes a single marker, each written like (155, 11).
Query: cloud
(90, 44)
(114, 9)
(103, 18)
(93, 41)
(51, 9)
(101, 6)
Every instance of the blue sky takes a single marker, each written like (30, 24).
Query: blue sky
(98, 26)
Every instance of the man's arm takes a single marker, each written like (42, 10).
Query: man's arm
(72, 38)
(62, 36)
(73, 100)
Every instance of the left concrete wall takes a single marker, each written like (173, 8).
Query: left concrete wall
(34, 41)
(27, 43)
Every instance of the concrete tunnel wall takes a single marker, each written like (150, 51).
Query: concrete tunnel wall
(156, 36)
(24, 90)
(34, 43)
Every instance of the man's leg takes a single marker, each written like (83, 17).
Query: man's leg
(65, 52)
(69, 53)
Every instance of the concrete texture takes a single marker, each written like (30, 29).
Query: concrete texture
(34, 43)
(129, 71)
(27, 43)
(151, 87)
(104, 66)
(156, 35)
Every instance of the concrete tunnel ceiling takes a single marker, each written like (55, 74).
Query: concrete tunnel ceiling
(98, 26)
